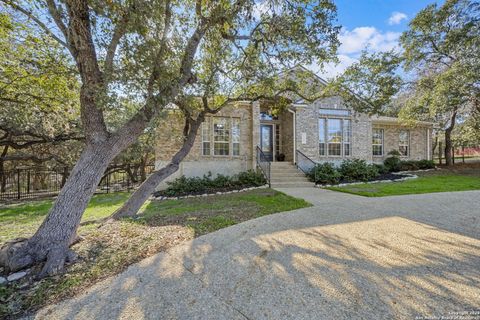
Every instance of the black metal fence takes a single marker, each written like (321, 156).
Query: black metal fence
(264, 164)
(32, 183)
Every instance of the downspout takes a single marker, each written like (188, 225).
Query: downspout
(428, 144)
(294, 135)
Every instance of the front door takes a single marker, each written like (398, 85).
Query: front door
(266, 140)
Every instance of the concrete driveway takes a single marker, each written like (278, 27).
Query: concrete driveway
(347, 257)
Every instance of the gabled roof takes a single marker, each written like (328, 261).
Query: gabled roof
(322, 81)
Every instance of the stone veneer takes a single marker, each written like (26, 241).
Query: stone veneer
(169, 141)
(307, 123)
(418, 141)
(195, 164)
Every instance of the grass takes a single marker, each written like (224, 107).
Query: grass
(20, 220)
(445, 180)
(108, 249)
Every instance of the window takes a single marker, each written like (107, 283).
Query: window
(334, 137)
(267, 116)
(235, 137)
(321, 136)
(347, 137)
(403, 142)
(377, 142)
(224, 132)
(206, 137)
(221, 137)
(334, 130)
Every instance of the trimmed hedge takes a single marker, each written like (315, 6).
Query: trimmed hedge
(207, 184)
(324, 173)
(394, 164)
(349, 170)
(358, 170)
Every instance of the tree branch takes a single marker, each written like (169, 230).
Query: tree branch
(37, 21)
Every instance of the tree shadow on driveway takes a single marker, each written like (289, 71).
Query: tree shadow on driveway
(326, 263)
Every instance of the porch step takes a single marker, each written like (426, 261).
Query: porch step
(290, 172)
(286, 175)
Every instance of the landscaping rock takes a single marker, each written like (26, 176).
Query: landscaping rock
(17, 275)
(2, 280)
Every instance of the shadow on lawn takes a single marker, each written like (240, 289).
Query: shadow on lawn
(302, 265)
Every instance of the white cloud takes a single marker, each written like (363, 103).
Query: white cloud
(330, 70)
(367, 38)
(351, 45)
(396, 18)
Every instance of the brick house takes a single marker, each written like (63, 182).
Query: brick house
(325, 130)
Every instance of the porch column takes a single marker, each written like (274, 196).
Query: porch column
(255, 131)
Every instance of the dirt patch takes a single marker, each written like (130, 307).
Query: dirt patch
(103, 252)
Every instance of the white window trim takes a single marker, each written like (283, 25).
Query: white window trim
(376, 144)
(342, 143)
(230, 140)
(404, 145)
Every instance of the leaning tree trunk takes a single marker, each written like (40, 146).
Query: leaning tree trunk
(138, 198)
(52, 240)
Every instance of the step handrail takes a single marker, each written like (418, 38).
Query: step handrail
(264, 164)
(305, 164)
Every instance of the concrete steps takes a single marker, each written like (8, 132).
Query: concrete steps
(286, 175)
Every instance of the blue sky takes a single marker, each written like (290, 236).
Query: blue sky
(372, 24)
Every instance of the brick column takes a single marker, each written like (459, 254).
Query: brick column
(255, 131)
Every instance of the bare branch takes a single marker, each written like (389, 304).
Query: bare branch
(37, 21)
(57, 17)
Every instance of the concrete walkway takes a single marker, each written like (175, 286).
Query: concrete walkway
(347, 257)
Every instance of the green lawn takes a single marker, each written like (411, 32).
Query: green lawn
(108, 249)
(20, 220)
(440, 182)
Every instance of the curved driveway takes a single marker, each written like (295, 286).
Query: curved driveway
(347, 257)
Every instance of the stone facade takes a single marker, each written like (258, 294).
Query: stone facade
(302, 117)
(195, 163)
(308, 132)
(418, 141)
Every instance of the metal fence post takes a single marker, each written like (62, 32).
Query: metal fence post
(18, 183)
(28, 181)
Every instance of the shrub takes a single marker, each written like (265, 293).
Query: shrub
(408, 165)
(206, 184)
(393, 162)
(412, 165)
(251, 178)
(425, 164)
(358, 170)
(382, 169)
(324, 173)
(394, 153)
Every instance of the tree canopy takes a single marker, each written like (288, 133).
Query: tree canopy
(197, 54)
